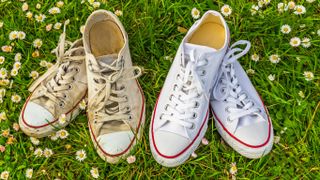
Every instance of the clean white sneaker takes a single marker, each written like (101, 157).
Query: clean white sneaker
(240, 115)
(180, 116)
(116, 105)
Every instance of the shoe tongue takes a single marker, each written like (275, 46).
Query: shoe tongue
(107, 59)
(198, 49)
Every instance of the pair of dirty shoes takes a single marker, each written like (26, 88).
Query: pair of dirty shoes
(205, 74)
(98, 68)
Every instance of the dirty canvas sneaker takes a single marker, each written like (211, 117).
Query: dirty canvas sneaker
(181, 113)
(57, 92)
(240, 115)
(116, 107)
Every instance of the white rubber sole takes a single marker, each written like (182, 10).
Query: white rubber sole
(252, 153)
(173, 162)
(49, 129)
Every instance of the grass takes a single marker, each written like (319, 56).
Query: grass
(152, 29)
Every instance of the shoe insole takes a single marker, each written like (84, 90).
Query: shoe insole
(209, 34)
(105, 38)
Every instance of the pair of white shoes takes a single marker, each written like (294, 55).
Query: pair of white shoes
(205, 73)
(98, 67)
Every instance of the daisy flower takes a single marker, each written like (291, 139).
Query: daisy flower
(43, 63)
(68, 146)
(54, 10)
(260, 3)
(274, 58)
(271, 77)
(118, 13)
(29, 173)
(301, 94)
(49, 27)
(38, 6)
(204, 141)
(131, 159)
(2, 148)
(17, 65)
(38, 152)
(63, 134)
(35, 54)
(83, 104)
(233, 170)
(194, 155)
(16, 126)
(276, 139)
(226, 10)
(2, 59)
(266, 2)
(281, 7)
(6, 48)
(62, 119)
(291, 5)
(17, 57)
(254, 9)
(54, 136)
(2, 92)
(310, 1)
(14, 72)
(29, 15)
(34, 74)
(57, 25)
(306, 42)
(1, 24)
(299, 9)
(47, 152)
(3, 73)
(250, 71)
(21, 35)
(285, 29)
(96, 5)
(40, 17)
(59, 4)
(34, 141)
(318, 32)
(15, 98)
(37, 43)
(94, 172)
(3, 116)
(308, 75)
(13, 35)
(195, 13)
(295, 42)
(255, 57)
(4, 175)
(25, 7)
(81, 155)
(5, 133)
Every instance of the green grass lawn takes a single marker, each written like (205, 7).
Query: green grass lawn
(152, 27)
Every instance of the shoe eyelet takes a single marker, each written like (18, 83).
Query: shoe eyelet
(128, 108)
(175, 86)
(130, 117)
(192, 125)
(229, 120)
(204, 72)
(196, 105)
(206, 61)
(70, 87)
(95, 122)
(77, 69)
(161, 116)
(170, 97)
(227, 109)
(194, 115)
(178, 76)
(61, 104)
(126, 98)
(64, 96)
(166, 107)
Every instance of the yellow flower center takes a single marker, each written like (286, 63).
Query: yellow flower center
(226, 10)
(299, 10)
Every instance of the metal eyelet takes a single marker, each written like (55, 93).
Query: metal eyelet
(128, 108)
(207, 62)
(126, 97)
(64, 96)
(61, 104)
(130, 117)
(204, 72)
(192, 125)
(227, 109)
(196, 105)
(166, 107)
(77, 69)
(175, 86)
(194, 115)
(70, 86)
(161, 116)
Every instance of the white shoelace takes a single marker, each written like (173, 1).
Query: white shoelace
(65, 68)
(110, 103)
(186, 92)
(227, 87)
